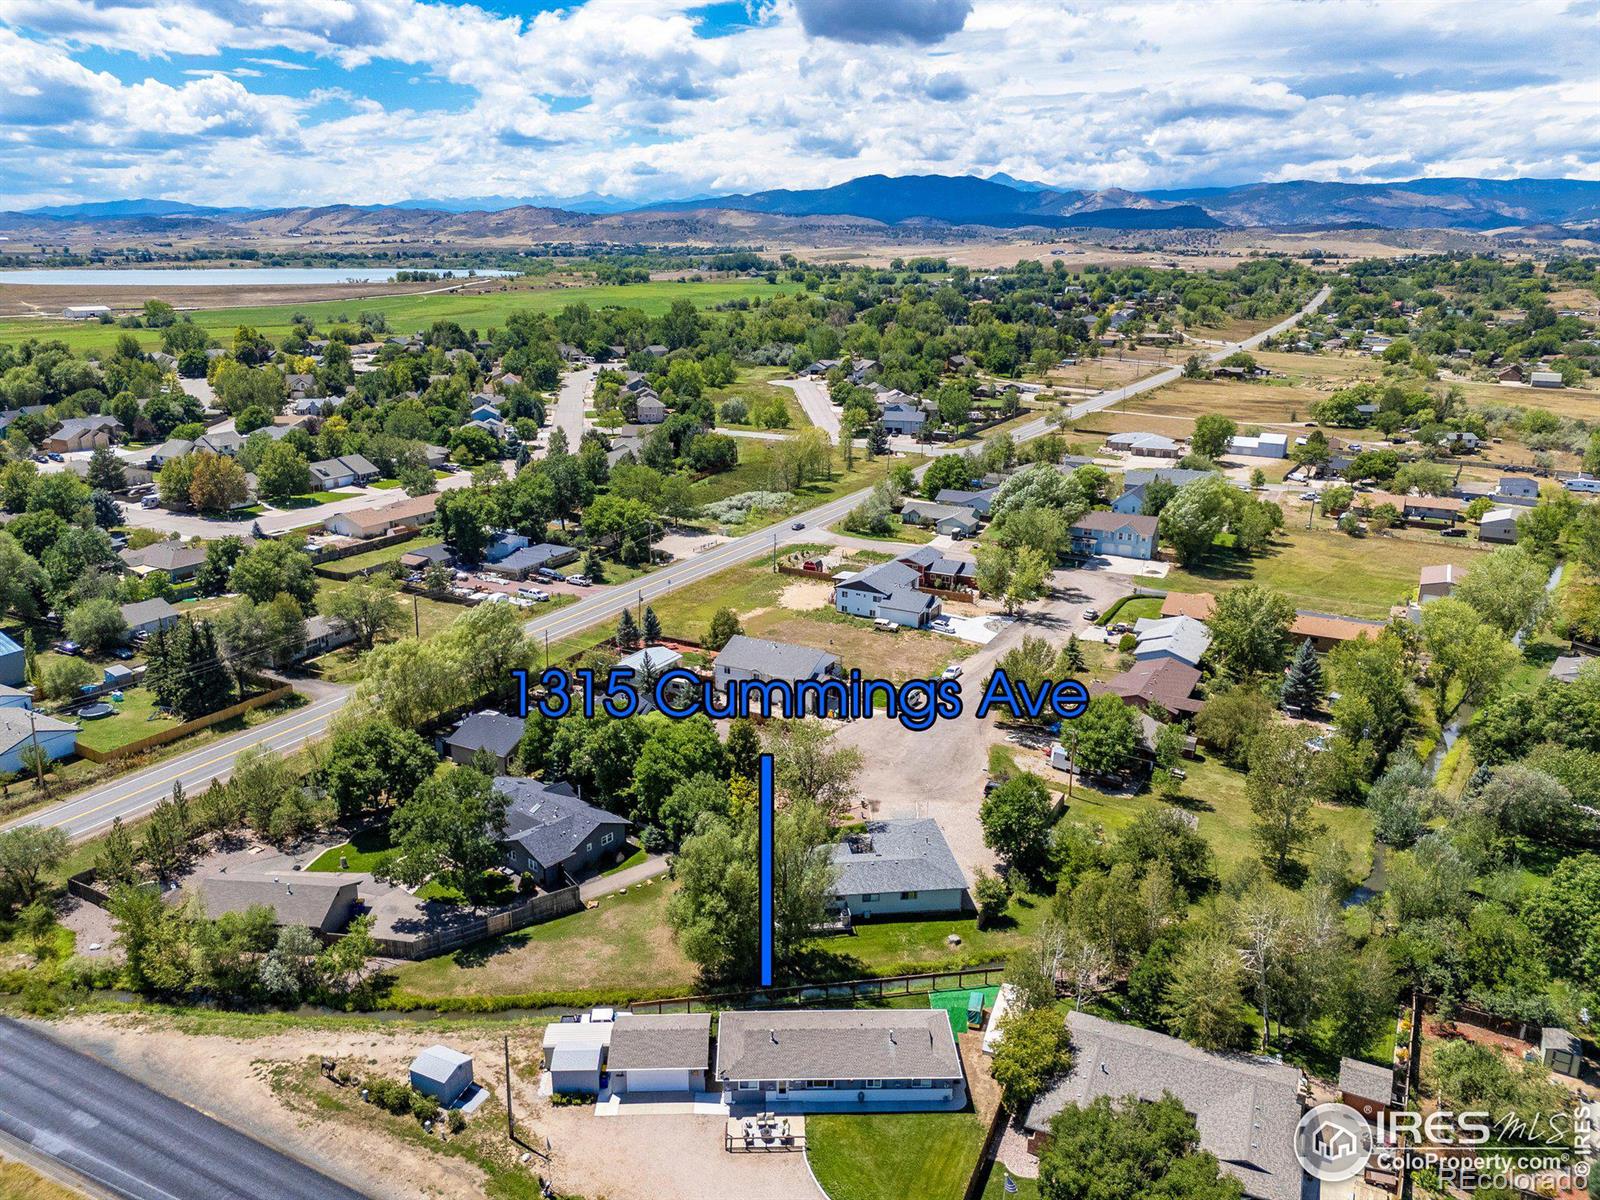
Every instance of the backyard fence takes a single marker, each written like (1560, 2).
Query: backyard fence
(333, 553)
(82, 885)
(533, 911)
(882, 988)
(978, 1182)
(175, 732)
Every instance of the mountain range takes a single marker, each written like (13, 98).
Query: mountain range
(999, 201)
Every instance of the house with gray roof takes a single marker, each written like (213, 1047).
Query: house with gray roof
(174, 559)
(149, 616)
(666, 1052)
(1366, 1087)
(819, 1060)
(552, 834)
(348, 470)
(1182, 638)
(528, 560)
(1124, 535)
(888, 592)
(904, 419)
(1246, 1109)
(980, 501)
(897, 868)
(942, 518)
(319, 900)
(83, 433)
(491, 733)
(764, 661)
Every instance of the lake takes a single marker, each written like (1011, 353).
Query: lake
(211, 276)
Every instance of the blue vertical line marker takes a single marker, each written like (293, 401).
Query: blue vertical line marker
(765, 843)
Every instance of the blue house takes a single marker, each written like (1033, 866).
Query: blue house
(20, 728)
(12, 662)
(1125, 535)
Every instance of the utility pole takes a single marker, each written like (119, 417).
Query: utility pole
(511, 1116)
(416, 616)
(774, 551)
(38, 757)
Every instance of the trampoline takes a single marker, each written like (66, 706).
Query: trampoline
(99, 709)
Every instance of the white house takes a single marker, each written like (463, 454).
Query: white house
(1498, 525)
(897, 868)
(1266, 445)
(888, 592)
(21, 728)
(822, 1059)
(1182, 638)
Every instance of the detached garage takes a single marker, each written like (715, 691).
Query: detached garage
(574, 1055)
(668, 1053)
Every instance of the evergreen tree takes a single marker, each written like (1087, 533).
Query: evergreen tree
(166, 840)
(118, 861)
(652, 626)
(627, 631)
(594, 566)
(1303, 687)
(186, 670)
(1072, 655)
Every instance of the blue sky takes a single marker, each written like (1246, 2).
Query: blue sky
(286, 102)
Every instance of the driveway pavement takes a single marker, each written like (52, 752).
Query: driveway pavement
(134, 1141)
(813, 397)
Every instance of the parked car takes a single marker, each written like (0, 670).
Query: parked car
(1452, 533)
(953, 671)
(123, 653)
(578, 580)
(883, 626)
(151, 501)
(1308, 495)
(67, 647)
(1091, 614)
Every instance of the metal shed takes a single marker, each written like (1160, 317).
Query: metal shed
(442, 1073)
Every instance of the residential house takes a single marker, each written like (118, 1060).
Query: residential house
(1366, 1087)
(951, 574)
(1266, 445)
(407, 512)
(488, 732)
(649, 410)
(322, 901)
(979, 502)
(904, 419)
(1124, 535)
(21, 728)
(1510, 374)
(1518, 487)
(1162, 682)
(1461, 439)
(1546, 379)
(888, 592)
(575, 1054)
(1245, 1109)
(1135, 483)
(552, 834)
(483, 409)
(747, 658)
(350, 470)
(1327, 631)
(174, 559)
(1498, 525)
(226, 442)
(1182, 638)
(659, 1052)
(1149, 445)
(1412, 508)
(324, 634)
(169, 449)
(1436, 582)
(83, 433)
(435, 456)
(897, 868)
(13, 662)
(943, 518)
(821, 1059)
(503, 544)
(149, 616)
(528, 560)
(424, 557)
(1199, 605)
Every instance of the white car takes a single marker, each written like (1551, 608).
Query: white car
(953, 671)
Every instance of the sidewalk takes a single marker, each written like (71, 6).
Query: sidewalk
(604, 885)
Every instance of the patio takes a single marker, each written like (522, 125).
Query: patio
(765, 1132)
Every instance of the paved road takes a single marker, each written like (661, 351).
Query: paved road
(813, 397)
(571, 399)
(92, 812)
(131, 1140)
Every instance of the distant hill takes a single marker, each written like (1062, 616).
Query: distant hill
(130, 208)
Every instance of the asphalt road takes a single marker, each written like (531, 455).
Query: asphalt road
(133, 1141)
(88, 814)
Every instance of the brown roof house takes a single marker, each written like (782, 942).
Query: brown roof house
(320, 900)
(1161, 682)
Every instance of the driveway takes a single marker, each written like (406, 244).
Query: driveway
(571, 400)
(813, 397)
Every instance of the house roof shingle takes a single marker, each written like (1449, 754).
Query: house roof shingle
(547, 819)
(896, 856)
(897, 1043)
(644, 1042)
(774, 660)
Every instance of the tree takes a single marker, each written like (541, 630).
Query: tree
(1282, 790)
(118, 861)
(1014, 576)
(1302, 687)
(187, 671)
(1212, 433)
(217, 483)
(272, 566)
(674, 751)
(63, 678)
(992, 894)
(716, 870)
(948, 471)
(1130, 1148)
(1164, 836)
(106, 471)
(1467, 657)
(370, 607)
(808, 765)
(1195, 516)
(1507, 589)
(282, 473)
(1564, 911)
(450, 830)
(376, 762)
(27, 853)
(1034, 1050)
(1204, 999)
(97, 625)
(1400, 801)
(652, 626)
(1016, 819)
(1250, 630)
(724, 627)
(1107, 737)
(627, 631)
(465, 517)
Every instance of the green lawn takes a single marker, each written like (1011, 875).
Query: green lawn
(893, 1156)
(1027, 1189)
(913, 534)
(687, 611)
(136, 718)
(753, 386)
(753, 474)
(1131, 609)
(357, 563)
(482, 310)
(633, 860)
(384, 485)
(363, 852)
(312, 499)
(1330, 572)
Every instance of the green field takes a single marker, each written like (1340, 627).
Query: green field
(754, 474)
(481, 311)
(893, 1156)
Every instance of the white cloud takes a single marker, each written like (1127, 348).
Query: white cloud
(632, 97)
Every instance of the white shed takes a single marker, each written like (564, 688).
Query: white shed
(442, 1073)
(574, 1054)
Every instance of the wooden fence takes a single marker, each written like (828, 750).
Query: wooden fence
(82, 885)
(978, 1181)
(532, 911)
(334, 553)
(881, 988)
(175, 732)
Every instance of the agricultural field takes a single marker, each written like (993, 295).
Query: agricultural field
(478, 310)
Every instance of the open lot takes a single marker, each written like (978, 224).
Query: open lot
(754, 474)
(754, 386)
(480, 309)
